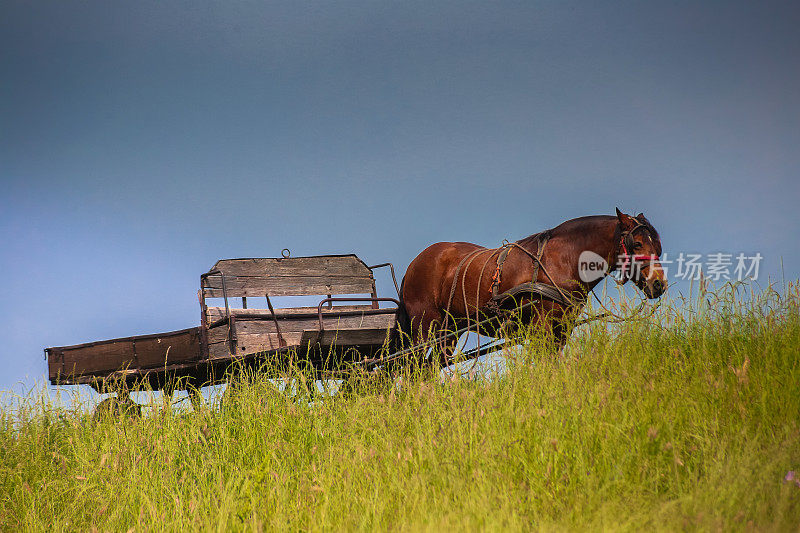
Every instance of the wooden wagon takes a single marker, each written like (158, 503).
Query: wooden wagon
(327, 335)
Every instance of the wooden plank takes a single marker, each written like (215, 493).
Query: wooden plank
(216, 313)
(261, 327)
(253, 343)
(161, 351)
(286, 286)
(53, 363)
(144, 351)
(345, 337)
(330, 265)
(260, 335)
(101, 357)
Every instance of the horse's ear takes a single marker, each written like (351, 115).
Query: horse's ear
(641, 216)
(624, 219)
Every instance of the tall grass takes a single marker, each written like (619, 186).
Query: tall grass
(688, 419)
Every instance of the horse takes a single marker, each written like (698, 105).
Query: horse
(548, 274)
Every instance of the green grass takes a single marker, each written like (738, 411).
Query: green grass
(687, 420)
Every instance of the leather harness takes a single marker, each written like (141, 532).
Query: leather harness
(532, 288)
(550, 291)
(553, 292)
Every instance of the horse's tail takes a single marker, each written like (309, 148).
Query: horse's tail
(402, 329)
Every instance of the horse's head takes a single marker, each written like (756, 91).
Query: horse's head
(639, 251)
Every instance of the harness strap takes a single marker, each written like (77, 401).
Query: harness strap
(547, 290)
(565, 297)
(499, 271)
(537, 260)
(551, 290)
(539, 255)
(468, 259)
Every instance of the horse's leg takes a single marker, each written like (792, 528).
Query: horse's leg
(428, 331)
(429, 293)
(559, 326)
(443, 356)
(561, 333)
(423, 323)
(443, 351)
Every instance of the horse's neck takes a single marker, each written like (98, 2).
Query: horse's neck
(597, 237)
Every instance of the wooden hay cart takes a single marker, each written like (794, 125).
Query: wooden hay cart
(328, 335)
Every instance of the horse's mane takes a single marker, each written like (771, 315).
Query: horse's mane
(583, 224)
(575, 224)
(535, 238)
(653, 231)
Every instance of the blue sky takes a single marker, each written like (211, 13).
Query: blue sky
(142, 141)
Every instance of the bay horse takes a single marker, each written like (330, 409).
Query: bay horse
(459, 282)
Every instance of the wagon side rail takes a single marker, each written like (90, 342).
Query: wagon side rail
(394, 278)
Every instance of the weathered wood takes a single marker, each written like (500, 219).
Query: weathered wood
(217, 313)
(325, 266)
(138, 352)
(259, 327)
(159, 351)
(101, 357)
(294, 276)
(252, 343)
(260, 335)
(197, 373)
(254, 286)
(345, 337)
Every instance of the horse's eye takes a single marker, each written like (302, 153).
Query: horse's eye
(637, 245)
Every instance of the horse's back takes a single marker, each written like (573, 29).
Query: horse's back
(432, 271)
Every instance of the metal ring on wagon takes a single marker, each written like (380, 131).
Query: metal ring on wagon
(286, 253)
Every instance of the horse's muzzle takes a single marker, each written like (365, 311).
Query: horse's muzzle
(655, 288)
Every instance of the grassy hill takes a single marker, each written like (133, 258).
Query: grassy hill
(687, 420)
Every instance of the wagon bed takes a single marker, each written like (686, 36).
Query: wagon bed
(327, 335)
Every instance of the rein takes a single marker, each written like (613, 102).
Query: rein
(552, 292)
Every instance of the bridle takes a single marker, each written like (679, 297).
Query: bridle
(630, 260)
